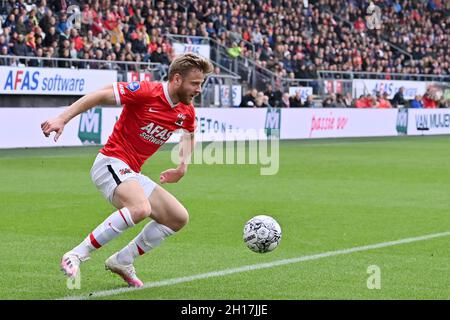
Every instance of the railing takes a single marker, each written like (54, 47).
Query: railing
(317, 85)
(178, 3)
(202, 41)
(255, 76)
(243, 71)
(205, 40)
(157, 70)
(219, 55)
(350, 75)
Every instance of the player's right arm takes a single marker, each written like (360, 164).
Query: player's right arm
(104, 96)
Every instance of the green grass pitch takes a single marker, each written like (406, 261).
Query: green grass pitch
(328, 195)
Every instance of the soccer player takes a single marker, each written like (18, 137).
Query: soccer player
(152, 111)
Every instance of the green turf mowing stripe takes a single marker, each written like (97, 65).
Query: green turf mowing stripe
(221, 273)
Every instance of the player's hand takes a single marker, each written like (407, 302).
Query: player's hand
(172, 175)
(53, 125)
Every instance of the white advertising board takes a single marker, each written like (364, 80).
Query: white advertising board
(20, 127)
(227, 95)
(428, 121)
(53, 81)
(304, 92)
(332, 123)
(200, 49)
(412, 88)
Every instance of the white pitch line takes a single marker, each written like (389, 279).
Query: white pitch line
(221, 273)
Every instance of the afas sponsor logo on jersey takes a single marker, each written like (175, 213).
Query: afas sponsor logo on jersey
(155, 133)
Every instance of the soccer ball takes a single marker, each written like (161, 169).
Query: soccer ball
(262, 234)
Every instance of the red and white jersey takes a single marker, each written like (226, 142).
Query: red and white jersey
(147, 121)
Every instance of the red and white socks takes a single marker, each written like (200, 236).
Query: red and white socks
(109, 229)
(150, 237)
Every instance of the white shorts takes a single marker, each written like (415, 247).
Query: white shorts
(108, 172)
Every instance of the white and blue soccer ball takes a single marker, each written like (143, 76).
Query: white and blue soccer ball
(262, 234)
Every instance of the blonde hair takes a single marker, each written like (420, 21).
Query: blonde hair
(188, 61)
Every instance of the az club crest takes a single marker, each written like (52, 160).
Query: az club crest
(181, 118)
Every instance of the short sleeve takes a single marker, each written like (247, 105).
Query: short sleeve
(131, 92)
(191, 123)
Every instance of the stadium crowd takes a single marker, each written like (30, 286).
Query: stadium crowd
(293, 38)
(276, 98)
(290, 38)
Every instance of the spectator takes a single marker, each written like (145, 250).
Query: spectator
(4, 61)
(47, 21)
(285, 102)
(235, 51)
(444, 103)
(429, 100)
(50, 37)
(256, 36)
(383, 101)
(64, 55)
(373, 101)
(340, 101)
(265, 100)
(274, 95)
(33, 21)
(37, 62)
(3, 42)
(21, 28)
(30, 42)
(10, 22)
(138, 45)
(97, 24)
(399, 98)
(287, 38)
(111, 18)
(295, 100)
(59, 6)
(260, 101)
(61, 26)
(348, 100)
(49, 63)
(20, 48)
(363, 102)
(416, 103)
(249, 100)
(359, 25)
(64, 36)
(329, 102)
(76, 39)
(215, 77)
(309, 103)
(159, 56)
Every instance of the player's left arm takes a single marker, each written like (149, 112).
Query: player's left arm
(186, 145)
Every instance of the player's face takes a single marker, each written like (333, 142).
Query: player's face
(191, 86)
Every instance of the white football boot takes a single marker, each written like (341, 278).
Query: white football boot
(70, 263)
(127, 272)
